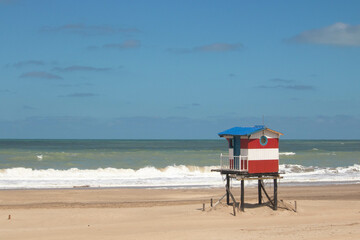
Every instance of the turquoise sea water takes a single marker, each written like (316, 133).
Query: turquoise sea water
(103, 163)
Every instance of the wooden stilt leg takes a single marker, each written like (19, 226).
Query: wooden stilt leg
(227, 187)
(275, 194)
(259, 191)
(242, 202)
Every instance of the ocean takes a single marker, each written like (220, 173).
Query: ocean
(40, 164)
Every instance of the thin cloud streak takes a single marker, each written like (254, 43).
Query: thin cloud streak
(338, 34)
(218, 47)
(75, 85)
(77, 68)
(215, 47)
(298, 87)
(125, 45)
(80, 95)
(281, 80)
(40, 75)
(188, 106)
(286, 84)
(89, 30)
(289, 87)
(5, 91)
(27, 107)
(28, 63)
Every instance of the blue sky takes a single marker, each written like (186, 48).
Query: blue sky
(179, 69)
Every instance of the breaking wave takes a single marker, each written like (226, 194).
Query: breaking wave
(150, 177)
(287, 153)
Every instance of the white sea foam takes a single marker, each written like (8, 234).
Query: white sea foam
(287, 153)
(169, 177)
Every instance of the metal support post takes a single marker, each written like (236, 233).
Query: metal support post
(227, 187)
(259, 192)
(275, 194)
(242, 202)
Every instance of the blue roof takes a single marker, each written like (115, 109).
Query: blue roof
(242, 131)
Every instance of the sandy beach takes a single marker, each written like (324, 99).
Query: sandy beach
(324, 212)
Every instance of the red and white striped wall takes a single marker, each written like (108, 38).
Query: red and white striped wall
(261, 158)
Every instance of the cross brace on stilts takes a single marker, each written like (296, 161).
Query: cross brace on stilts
(261, 188)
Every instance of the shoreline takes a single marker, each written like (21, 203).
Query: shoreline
(284, 184)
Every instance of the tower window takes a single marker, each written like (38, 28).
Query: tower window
(263, 140)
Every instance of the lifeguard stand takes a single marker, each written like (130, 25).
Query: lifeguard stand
(253, 155)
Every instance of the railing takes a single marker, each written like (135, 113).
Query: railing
(237, 163)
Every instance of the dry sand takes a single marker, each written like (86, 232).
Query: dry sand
(324, 212)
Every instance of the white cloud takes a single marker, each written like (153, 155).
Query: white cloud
(338, 34)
